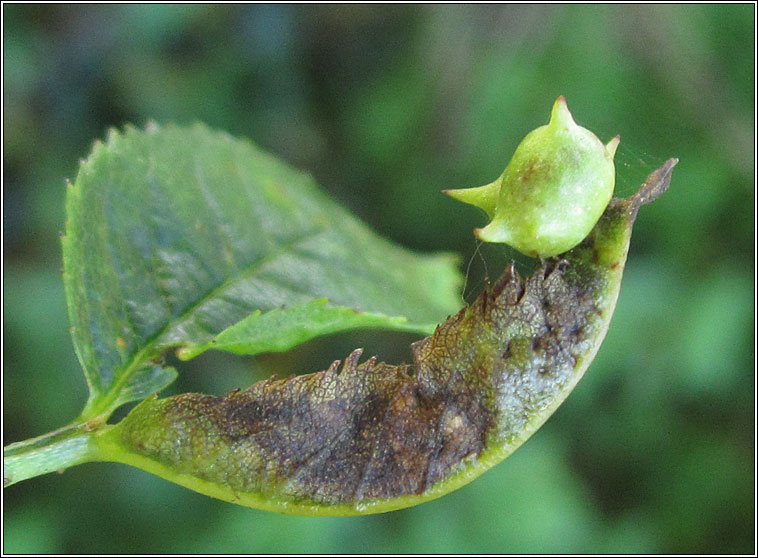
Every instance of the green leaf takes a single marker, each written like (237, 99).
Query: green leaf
(143, 382)
(284, 328)
(176, 234)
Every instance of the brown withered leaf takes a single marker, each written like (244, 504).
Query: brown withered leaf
(341, 440)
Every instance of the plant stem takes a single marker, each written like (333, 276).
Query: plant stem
(54, 451)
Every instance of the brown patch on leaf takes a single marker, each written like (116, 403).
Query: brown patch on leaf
(371, 430)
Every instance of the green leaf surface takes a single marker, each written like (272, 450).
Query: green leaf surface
(143, 382)
(283, 328)
(175, 234)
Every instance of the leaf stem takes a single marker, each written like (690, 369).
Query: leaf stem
(54, 451)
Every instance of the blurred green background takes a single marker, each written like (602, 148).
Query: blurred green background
(654, 452)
